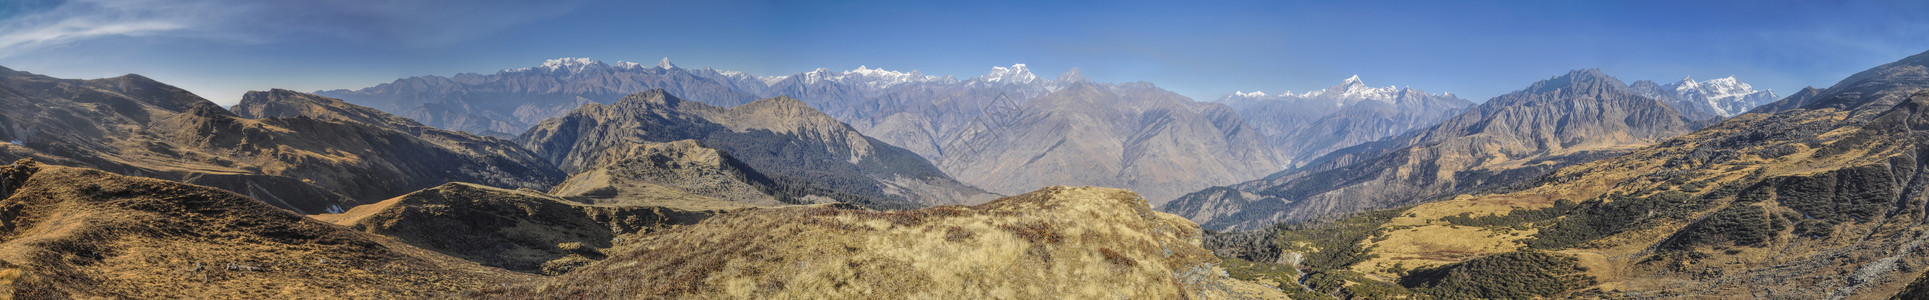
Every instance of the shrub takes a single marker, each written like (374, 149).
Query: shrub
(1743, 225)
(1336, 244)
(1516, 217)
(1515, 275)
(1613, 214)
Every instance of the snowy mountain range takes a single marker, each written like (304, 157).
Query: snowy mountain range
(1723, 97)
(1348, 91)
(1310, 124)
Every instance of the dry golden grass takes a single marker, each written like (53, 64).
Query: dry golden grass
(1051, 244)
(79, 233)
(512, 229)
(1421, 237)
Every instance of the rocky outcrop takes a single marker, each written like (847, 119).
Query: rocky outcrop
(680, 174)
(1057, 242)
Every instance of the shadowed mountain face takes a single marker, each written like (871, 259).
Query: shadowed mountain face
(1055, 243)
(1574, 118)
(328, 155)
(82, 233)
(799, 154)
(457, 156)
(1817, 196)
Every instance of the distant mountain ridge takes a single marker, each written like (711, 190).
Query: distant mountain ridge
(511, 100)
(1573, 118)
(936, 117)
(1134, 135)
(1722, 97)
(1308, 125)
(804, 153)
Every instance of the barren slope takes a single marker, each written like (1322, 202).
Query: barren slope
(1822, 199)
(82, 233)
(787, 150)
(517, 230)
(308, 163)
(1578, 117)
(1054, 243)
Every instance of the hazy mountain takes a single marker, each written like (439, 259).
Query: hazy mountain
(1305, 126)
(803, 156)
(1574, 118)
(330, 155)
(511, 100)
(1054, 243)
(1133, 135)
(1819, 197)
(941, 118)
(1011, 131)
(82, 233)
(1724, 97)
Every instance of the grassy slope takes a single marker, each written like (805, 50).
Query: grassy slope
(1054, 243)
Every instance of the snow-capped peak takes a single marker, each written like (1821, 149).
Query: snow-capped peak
(1727, 96)
(665, 63)
(573, 64)
(1687, 83)
(1354, 89)
(1017, 73)
(1352, 81)
(863, 75)
(1349, 91)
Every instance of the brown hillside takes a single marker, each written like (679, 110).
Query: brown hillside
(81, 233)
(1570, 119)
(294, 157)
(1821, 200)
(1054, 243)
(798, 155)
(517, 230)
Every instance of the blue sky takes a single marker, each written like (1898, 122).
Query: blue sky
(220, 48)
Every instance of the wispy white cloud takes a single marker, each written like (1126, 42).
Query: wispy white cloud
(424, 23)
(88, 19)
